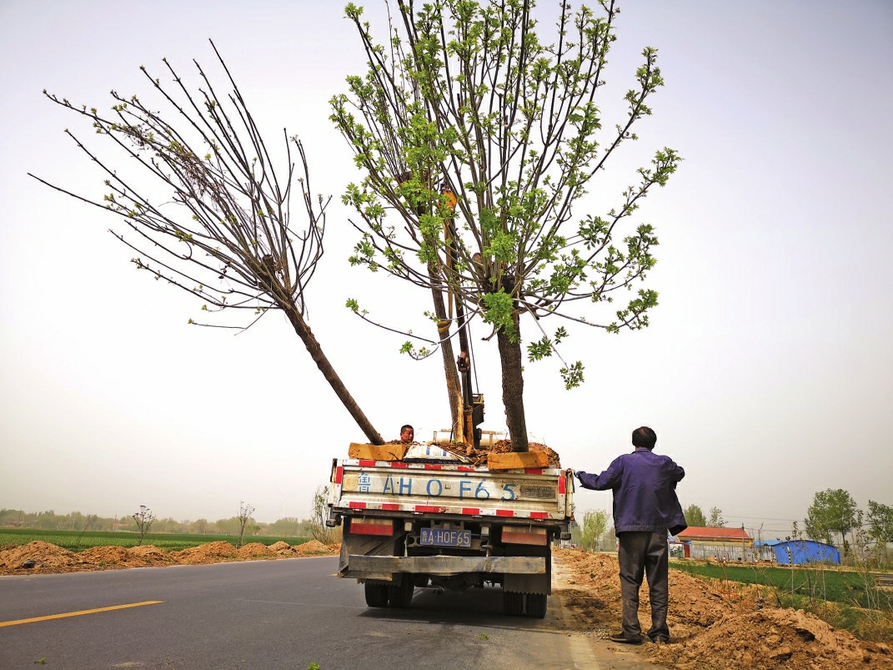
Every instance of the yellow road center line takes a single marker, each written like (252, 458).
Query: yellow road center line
(80, 613)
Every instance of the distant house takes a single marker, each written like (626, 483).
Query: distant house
(802, 552)
(727, 544)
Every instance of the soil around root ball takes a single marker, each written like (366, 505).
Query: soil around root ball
(479, 456)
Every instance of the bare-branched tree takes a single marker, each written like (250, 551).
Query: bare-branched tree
(477, 139)
(221, 225)
(144, 519)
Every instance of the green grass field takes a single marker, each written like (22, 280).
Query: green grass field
(74, 540)
(843, 586)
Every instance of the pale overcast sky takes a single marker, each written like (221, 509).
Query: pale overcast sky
(766, 371)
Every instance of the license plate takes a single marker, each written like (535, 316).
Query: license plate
(442, 537)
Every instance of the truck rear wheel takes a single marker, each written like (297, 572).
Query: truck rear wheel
(376, 595)
(536, 605)
(401, 594)
(512, 603)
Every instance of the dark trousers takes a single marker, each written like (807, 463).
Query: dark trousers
(643, 554)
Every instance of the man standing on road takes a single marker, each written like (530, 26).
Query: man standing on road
(645, 508)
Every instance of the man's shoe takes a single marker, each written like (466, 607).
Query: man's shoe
(620, 638)
(661, 639)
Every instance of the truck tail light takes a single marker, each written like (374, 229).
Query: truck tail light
(339, 475)
(524, 535)
(371, 526)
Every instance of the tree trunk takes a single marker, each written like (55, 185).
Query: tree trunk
(513, 388)
(454, 390)
(322, 362)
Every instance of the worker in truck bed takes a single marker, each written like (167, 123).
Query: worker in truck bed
(407, 433)
(645, 508)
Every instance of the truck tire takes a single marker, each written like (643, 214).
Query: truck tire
(376, 595)
(400, 595)
(512, 603)
(536, 605)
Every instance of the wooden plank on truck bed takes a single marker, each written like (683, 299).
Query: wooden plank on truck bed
(377, 452)
(517, 460)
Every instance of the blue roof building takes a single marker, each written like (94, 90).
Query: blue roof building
(801, 552)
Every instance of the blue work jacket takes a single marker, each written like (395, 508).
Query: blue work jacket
(644, 486)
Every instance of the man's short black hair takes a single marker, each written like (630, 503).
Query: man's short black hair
(644, 437)
(405, 426)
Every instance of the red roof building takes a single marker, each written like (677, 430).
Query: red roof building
(715, 535)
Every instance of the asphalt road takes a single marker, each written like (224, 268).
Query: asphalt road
(287, 613)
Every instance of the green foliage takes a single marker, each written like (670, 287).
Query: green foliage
(595, 523)
(716, 520)
(694, 516)
(477, 134)
(880, 522)
(832, 511)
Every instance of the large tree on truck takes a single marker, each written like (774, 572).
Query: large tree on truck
(206, 210)
(477, 137)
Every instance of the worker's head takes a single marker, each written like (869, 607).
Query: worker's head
(644, 437)
(407, 433)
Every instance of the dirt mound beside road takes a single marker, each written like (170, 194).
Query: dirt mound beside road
(41, 558)
(713, 626)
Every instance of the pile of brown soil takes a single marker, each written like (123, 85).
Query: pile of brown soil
(41, 558)
(479, 456)
(713, 625)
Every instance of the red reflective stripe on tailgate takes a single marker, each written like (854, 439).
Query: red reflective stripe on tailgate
(465, 468)
(504, 512)
(533, 471)
(357, 505)
(562, 485)
(432, 466)
(471, 510)
(390, 506)
(539, 515)
(429, 509)
(398, 464)
(339, 474)
(367, 463)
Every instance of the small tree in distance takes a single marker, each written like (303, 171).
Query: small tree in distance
(832, 511)
(694, 517)
(716, 520)
(144, 519)
(595, 523)
(245, 512)
(318, 515)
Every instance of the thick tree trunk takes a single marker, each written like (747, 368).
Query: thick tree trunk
(511, 359)
(322, 362)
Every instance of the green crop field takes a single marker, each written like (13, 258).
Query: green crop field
(79, 541)
(847, 587)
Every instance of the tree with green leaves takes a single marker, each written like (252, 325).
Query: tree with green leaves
(716, 520)
(880, 524)
(694, 517)
(207, 209)
(832, 511)
(595, 523)
(478, 137)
